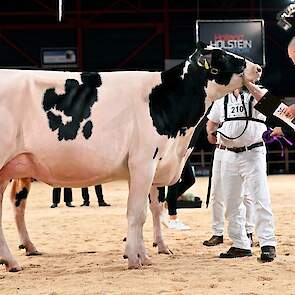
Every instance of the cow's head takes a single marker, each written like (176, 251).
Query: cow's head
(208, 74)
(226, 71)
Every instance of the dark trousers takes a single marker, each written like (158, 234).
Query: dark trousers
(98, 191)
(161, 196)
(68, 196)
(177, 189)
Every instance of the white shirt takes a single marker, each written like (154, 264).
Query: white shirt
(254, 130)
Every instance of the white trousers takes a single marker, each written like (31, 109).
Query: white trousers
(247, 167)
(217, 200)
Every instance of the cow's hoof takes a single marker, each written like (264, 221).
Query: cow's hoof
(34, 253)
(14, 269)
(166, 251)
(146, 260)
(163, 249)
(30, 250)
(9, 268)
(134, 264)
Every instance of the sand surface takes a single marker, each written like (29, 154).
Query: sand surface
(83, 250)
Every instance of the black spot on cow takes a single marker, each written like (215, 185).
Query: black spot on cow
(87, 129)
(156, 151)
(182, 131)
(75, 103)
(20, 196)
(177, 103)
(54, 120)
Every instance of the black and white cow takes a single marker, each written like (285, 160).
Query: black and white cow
(79, 129)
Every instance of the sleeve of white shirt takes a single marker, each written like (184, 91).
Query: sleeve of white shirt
(215, 112)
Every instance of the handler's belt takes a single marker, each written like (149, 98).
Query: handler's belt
(240, 149)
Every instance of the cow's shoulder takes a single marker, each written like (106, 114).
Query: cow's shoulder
(178, 101)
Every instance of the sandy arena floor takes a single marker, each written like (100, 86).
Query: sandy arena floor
(83, 250)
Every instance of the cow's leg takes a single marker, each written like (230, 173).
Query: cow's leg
(5, 254)
(18, 196)
(156, 208)
(139, 187)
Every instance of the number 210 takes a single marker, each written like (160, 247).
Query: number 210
(237, 109)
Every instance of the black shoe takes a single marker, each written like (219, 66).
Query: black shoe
(214, 240)
(85, 204)
(250, 237)
(234, 252)
(54, 205)
(103, 204)
(69, 204)
(268, 253)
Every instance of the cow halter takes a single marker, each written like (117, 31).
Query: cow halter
(214, 71)
(206, 65)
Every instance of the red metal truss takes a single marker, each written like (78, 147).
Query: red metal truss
(80, 19)
(21, 51)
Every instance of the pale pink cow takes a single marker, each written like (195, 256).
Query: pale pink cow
(79, 129)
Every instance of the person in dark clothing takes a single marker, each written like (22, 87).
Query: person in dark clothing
(174, 191)
(185, 182)
(68, 197)
(269, 103)
(99, 195)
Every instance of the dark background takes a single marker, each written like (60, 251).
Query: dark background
(135, 34)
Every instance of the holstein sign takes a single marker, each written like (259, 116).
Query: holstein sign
(243, 37)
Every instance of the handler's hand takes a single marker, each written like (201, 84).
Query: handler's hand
(277, 131)
(289, 111)
(255, 90)
(212, 138)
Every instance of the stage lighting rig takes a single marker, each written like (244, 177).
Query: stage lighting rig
(283, 15)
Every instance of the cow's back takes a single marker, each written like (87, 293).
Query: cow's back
(122, 97)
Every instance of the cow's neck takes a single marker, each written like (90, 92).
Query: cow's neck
(178, 102)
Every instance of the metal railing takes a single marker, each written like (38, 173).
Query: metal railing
(275, 162)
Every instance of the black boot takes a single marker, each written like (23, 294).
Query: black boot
(69, 204)
(85, 204)
(268, 253)
(103, 204)
(213, 241)
(234, 252)
(54, 205)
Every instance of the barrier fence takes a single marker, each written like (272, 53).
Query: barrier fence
(276, 163)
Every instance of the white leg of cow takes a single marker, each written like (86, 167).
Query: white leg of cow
(140, 183)
(18, 196)
(5, 254)
(156, 209)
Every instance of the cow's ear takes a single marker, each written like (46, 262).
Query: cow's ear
(201, 45)
(204, 61)
(202, 48)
